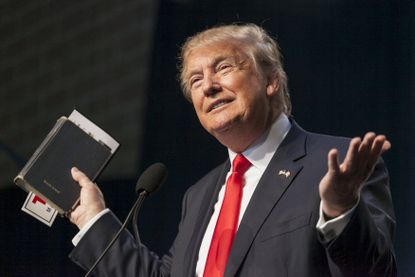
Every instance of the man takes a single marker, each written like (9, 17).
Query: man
(287, 207)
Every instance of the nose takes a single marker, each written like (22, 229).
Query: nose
(210, 85)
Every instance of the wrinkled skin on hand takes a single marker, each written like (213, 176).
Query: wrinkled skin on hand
(340, 187)
(91, 200)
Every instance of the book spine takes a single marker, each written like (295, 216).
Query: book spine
(42, 146)
(27, 187)
(20, 180)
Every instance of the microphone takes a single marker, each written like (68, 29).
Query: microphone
(149, 182)
(151, 179)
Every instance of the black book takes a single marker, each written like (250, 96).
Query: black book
(70, 143)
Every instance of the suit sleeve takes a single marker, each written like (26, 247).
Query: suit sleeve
(365, 247)
(125, 258)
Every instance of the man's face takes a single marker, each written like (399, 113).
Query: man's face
(227, 92)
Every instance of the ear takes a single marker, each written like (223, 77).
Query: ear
(273, 85)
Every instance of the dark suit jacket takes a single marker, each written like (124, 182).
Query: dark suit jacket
(277, 235)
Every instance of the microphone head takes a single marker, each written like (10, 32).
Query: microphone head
(151, 179)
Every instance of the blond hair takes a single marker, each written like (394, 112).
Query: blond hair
(257, 44)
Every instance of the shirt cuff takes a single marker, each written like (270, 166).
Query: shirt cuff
(332, 228)
(87, 226)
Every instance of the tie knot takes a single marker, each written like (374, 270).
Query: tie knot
(240, 164)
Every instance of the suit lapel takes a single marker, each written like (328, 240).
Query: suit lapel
(206, 209)
(278, 176)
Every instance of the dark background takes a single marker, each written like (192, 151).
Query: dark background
(350, 66)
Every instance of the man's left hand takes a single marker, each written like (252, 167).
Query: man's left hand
(340, 187)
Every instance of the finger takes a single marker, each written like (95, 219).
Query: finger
(81, 178)
(365, 152)
(72, 216)
(333, 161)
(366, 145)
(350, 160)
(380, 145)
(386, 146)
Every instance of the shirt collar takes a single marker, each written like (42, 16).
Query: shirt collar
(262, 150)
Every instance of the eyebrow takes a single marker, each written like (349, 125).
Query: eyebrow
(212, 63)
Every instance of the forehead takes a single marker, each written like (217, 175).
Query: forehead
(208, 55)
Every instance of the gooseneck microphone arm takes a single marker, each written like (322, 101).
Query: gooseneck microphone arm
(135, 222)
(137, 203)
(149, 182)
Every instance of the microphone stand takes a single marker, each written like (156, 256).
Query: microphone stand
(135, 222)
(135, 208)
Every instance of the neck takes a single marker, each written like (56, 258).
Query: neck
(240, 138)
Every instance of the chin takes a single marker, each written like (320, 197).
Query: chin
(222, 129)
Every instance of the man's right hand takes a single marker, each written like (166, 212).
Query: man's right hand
(91, 200)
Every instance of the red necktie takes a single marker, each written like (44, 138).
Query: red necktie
(227, 223)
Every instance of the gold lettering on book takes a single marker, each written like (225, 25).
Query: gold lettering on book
(51, 186)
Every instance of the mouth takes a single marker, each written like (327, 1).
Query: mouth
(218, 104)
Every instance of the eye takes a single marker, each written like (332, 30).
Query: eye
(224, 66)
(195, 81)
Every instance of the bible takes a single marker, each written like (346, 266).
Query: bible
(73, 141)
